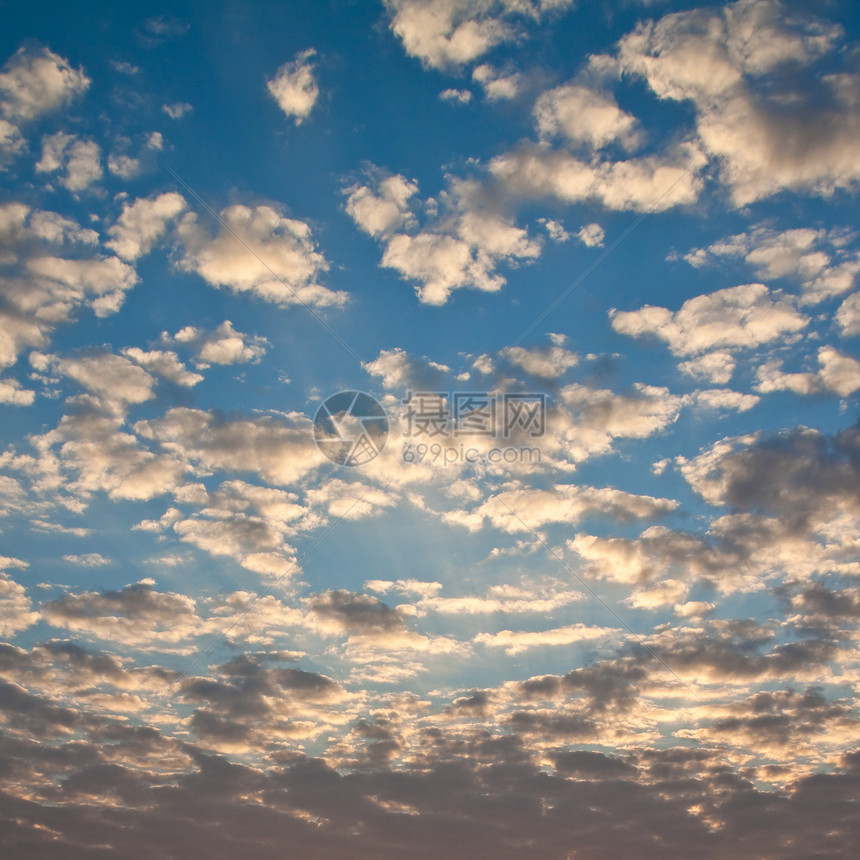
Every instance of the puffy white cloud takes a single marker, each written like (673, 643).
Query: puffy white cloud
(497, 84)
(445, 33)
(746, 316)
(223, 345)
(452, 95)
(34, 82)
(399, 370)
(294, 87)
(837, 372)
(515, 642)
(848, 315)
(260, 251)
(733, 63)
(716, 366)
(281, 451)
(380, 211)
(527, 509)
(164, 363)
(177, 110)
(584, 116)
(820, 260)
(80, 158)
(142, 223)
(460, 246)
(647, 183)
(16, 609)
(725, 398)
(544, 363)
(591, 235)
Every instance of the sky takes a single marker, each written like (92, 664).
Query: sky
(430, 429)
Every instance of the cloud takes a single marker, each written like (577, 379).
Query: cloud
(591, 235)
(527, 509)
(15, 607)
(135, 615)
(280, 451)
(497, 84)
(736, 317)
(399, 370)
(80, 158)
(449, 33)
(837, 372)
(294, 87)
(652, 183)
(142, 223)
(819, 260)
(463, 240)
(585, 116)
(517, 642)
(177, 110)
(223, 345)
(768, 128)
(257, 250)
(34, 82)
(549, 363)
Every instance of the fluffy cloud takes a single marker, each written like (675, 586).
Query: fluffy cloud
(34, 82)
(142, 223)
(446, 33)
(746, 316)
(463, 241)
(837, 372)
(515, 642)
(646, 183)
(294, 87)
(81, 160)
(281, 451)
(735, 66)
(584, 116)
(15, 607)
(223, 345)
(258, 250)
(524, 510)
(821, 261)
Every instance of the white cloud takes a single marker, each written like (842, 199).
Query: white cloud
(549, 363)
(223, 345)
(177, 110)
(497, 85)
(80, 158)
(294, 87)
(452, 95)
(460, 246)
(260, 251)
(446, 33)
(725, 398)
(142, 223)
(34, 82)
(766, 132)
(516, 642)
(647, 183)
(743, 317)
(716, 366)
(585, 116)
(381, 211)
(399, 370)
(15, 607)
(164, 363)
(591, 235)
(848, 315)
(837, 372)
(819, 260)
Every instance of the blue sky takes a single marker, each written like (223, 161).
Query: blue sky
(613, 637)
